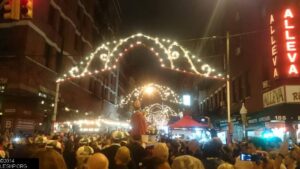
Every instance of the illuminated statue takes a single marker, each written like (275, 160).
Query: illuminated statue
(138, 120)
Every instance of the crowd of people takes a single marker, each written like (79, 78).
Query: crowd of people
(121, 151)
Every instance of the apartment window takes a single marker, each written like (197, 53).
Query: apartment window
(47, 55)
(58, 63)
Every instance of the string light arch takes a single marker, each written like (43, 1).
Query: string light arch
(165, 93)
(169, 53)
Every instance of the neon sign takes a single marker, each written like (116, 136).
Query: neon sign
(274, 46)
(284, 32)
(291, 49)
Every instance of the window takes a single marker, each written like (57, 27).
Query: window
(58, 63)
(47, 55)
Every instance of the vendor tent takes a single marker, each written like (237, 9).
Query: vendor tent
(187, 122)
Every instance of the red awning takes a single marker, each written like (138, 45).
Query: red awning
(187, 122)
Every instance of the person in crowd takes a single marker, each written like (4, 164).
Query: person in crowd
(122, 158)
(246, 148)
(110, 152)
(212, 154)
(155, 163)
(138, 153)
(226, 166)
(40, 141)
(55, 145)
(227, 154)
(50, 159)
(3, 146)
(194, 149)
(161, 151)
(83, 153)
(69, 152)
(97, 161)
(187, 162)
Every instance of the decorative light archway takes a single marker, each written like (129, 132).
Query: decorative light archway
(169, 53)
(165, 93)
(158, 114)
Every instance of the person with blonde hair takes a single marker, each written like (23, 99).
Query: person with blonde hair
(226, 166)
(50, 159)
(122, 158)
(187, 162)
(161, 151)
(97, 161)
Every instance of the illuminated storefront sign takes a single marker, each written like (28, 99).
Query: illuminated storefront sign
(274, 97)
(284, 31)
(283, 94)
(291, 48)
(274, 46)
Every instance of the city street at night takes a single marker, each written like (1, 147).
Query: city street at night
(150, 84)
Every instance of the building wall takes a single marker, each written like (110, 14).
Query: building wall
(246, 23)
(35, 52)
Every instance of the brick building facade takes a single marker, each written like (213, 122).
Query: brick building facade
(35, 52)
(251, 66)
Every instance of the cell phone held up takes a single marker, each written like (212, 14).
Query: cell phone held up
(251, 157)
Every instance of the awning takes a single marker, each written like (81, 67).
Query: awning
(187, 122)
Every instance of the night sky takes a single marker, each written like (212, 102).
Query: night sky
(175, 19)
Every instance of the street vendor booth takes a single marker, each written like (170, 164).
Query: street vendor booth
(188, 128)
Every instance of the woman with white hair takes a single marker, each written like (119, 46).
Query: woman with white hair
(187, 162)
(161, 151)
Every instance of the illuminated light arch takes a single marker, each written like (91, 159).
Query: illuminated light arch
(165, 93)
(158, 114)
(168, 53)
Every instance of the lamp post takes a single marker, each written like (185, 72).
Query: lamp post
(230, 126)
(243, 113)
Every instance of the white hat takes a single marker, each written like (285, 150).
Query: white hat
(53, 144)
(84, 151)
(40, 140)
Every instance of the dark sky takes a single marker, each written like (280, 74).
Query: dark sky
(174, 19)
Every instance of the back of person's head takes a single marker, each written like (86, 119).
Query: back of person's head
(82, 155)
(155, 163)
(193, 145)
(211, 149)
(122, 156)
(187, 162)
(40, 141)
(161, 151)
(55, 145)
(50, 159)
(118, 136)
(226, 166)
(97, 161)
